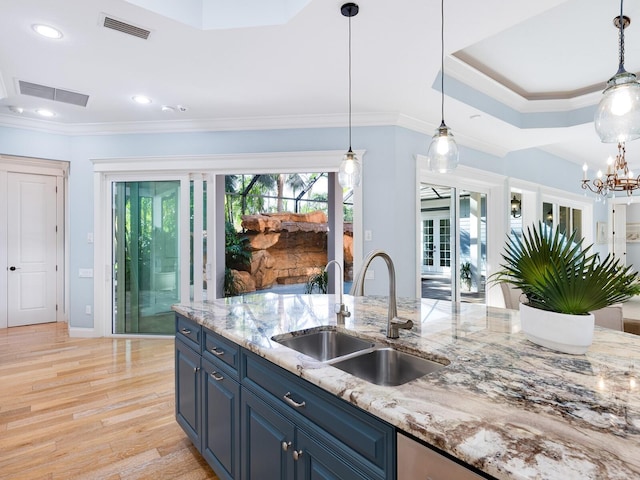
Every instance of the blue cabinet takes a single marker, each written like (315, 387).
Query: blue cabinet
(220, 420)
(188, 396)
(267, 441)
(332, 439)
(253, 420)
(318, 461)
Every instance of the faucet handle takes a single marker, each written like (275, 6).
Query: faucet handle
(395, 324)
(341, 309)
(404, 323)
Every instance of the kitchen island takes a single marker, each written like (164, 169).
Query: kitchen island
(503, 405)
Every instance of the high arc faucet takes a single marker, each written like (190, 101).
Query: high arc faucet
(394, 323)
(340, 308)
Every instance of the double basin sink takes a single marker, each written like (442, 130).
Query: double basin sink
(362, 358)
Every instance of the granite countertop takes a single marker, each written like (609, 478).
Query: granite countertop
(504, 405)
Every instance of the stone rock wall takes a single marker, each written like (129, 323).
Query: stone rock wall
(288, 247)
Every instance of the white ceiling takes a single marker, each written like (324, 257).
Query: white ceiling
(520, 74)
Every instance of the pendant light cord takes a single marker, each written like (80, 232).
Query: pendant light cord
(621, 40)
(349, 83)
(442, 60)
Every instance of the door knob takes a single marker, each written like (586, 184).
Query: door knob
(12, 268)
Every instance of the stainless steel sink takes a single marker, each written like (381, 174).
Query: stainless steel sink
(387, 366)
(324, 345)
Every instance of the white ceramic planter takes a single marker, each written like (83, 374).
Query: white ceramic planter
(557, 331)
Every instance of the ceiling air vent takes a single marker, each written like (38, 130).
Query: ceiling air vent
(120, 26)
(55, 94)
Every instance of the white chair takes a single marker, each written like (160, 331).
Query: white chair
(511, 296)
(610, 317)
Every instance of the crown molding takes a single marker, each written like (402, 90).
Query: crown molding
(201, 125)
(465, 73)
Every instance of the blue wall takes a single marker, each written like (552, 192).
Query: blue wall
(388, 182)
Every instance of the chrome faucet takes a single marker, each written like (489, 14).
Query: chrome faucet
(339, 308)
(394, 323)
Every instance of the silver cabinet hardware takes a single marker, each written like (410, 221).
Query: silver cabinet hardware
(293, 403)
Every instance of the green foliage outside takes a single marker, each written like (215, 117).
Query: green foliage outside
(317, 283)
(465, 274)
(267, 195)
(237, 257)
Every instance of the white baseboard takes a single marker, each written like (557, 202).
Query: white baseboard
(83, 332)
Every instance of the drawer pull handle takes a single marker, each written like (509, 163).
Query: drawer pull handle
(285, 446)
(217, 352)
(216, 376)
(293, 403)
(186, 331)
(297, 454)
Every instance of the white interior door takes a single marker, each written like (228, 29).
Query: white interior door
(31, 249)
(618, 234)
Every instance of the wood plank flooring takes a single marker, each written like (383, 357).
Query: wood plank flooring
(100, 408)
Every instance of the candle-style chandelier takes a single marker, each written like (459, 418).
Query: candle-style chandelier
(617, 179)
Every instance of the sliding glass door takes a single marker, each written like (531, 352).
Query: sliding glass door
(145, 256)
(453, 243)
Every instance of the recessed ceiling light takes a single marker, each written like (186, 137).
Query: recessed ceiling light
(45, 113)
(47, 31)
(141, 99)
(15, 109)
(168, 108)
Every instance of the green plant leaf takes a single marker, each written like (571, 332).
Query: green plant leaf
(556, 273)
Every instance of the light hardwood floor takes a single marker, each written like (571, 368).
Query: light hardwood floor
(99, 408)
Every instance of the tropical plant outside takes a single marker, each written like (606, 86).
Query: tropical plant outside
(237, 257)
(268, 193)
(317, 282)
(557, 274)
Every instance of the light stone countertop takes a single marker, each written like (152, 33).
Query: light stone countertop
(504, 405)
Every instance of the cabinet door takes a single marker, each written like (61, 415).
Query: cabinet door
(188, 391)
(267, 441)
(221, 429)
(317, 462)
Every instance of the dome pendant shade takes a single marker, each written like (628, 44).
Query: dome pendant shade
(443, 151)
(618, 116)
(349, 173)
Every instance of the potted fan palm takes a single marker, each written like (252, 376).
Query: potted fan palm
(562, 283)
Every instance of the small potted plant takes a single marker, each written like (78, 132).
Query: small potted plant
(562, 283)
(465, 276)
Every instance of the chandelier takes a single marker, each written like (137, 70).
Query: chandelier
(617, 179)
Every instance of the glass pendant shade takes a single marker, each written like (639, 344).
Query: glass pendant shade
(349, 172)
(443, 151)
(618, 116)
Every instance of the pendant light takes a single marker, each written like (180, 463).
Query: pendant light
(618, 116)
(349, 173)
(443, 152)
